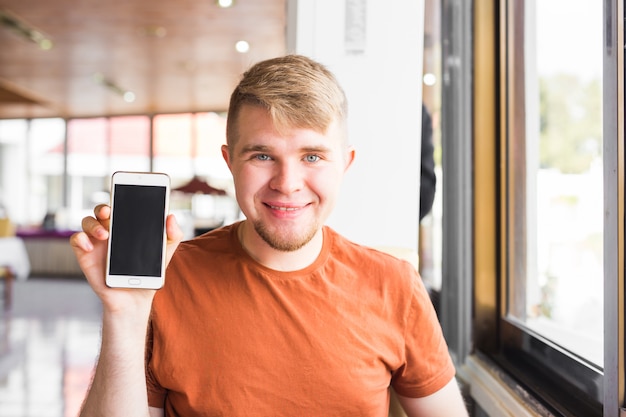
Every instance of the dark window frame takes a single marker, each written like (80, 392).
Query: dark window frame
(564, 384)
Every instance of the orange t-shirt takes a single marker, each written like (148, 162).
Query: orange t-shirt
(230, 337)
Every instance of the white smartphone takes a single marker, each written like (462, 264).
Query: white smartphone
(137, 238)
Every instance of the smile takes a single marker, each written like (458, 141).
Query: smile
(283, 208)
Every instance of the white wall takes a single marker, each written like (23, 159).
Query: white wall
(379, 205)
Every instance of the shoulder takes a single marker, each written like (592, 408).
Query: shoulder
(218, 240)
(203, 256)
(392, 268)
(198, 264)
(383, 256)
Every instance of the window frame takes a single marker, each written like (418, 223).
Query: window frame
(556, 377)
(564, 382)
(614, 192)
(456, 121)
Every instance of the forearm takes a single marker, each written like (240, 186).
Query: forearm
(119, 384)
(447, 402)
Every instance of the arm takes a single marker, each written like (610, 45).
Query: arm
(447, 402)
(157, 412)
(119, 385)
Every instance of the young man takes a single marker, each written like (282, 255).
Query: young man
(276, 315)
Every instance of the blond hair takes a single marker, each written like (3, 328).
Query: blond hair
(297, 92)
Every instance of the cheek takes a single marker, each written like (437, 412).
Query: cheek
(327, 186)
(247, 183)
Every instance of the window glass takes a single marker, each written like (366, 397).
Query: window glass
(130, 143)
(13, 169)
(174, 146)
(13, 131)
(211, 135)
(210, 165)
(87, 147)
(88, 167)
(46, 164)
(555, 169)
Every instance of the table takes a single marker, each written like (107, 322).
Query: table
(50, 252)
(13, 255)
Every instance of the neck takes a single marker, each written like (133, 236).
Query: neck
(275, 259)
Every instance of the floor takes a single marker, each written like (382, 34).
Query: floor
(49, 341)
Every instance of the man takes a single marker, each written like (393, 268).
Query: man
(428, 178)
(277, 315)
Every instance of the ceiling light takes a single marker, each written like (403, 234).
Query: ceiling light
(127, 95)
(153, 31)
(242, 47)
(430, 79)
(224, 4)
(25, 31)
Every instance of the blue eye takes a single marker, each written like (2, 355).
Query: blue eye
(312, 158)
(262, 157)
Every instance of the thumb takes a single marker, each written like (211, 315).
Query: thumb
(174, 236)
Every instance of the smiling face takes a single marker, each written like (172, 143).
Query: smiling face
(286, 181)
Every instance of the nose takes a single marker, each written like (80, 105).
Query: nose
(288, 177)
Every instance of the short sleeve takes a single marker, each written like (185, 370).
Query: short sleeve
(156, 393)
(427, 365)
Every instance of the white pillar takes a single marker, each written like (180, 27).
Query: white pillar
(375, 48)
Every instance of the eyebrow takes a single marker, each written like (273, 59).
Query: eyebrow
(264, 148)
(254, 148)
(316, 149)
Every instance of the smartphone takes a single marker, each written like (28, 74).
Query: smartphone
(137, 238)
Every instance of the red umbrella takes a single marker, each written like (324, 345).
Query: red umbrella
(198, 186)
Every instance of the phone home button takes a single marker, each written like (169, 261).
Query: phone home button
(134, 281)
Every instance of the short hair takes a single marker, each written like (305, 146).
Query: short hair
(297, 92)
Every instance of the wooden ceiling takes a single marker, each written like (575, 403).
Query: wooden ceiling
(174, 55)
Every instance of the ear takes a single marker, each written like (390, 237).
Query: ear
(226, 156)
(350, 154)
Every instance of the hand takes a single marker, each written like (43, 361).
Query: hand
(90, 248)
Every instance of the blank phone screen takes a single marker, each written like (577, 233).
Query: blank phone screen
(137, 230)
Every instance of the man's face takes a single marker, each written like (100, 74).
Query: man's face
(286, 183)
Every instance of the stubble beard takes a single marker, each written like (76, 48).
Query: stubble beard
(288, 243)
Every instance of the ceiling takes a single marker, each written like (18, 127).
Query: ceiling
(173, 55)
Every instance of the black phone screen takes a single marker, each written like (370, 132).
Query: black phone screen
(137, 230)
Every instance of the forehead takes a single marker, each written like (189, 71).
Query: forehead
(255, 126)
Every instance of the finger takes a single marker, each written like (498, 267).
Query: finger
(102, 211)
(174, 232)
(103, 214)
(90, 255)
(81, 242)
(174, 235)
(94, 228)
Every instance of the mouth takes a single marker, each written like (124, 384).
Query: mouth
(283, 208)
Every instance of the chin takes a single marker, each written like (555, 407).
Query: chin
(284, 241)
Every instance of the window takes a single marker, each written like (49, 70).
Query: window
(53, 175)
(550, 205)
(130, 143)
(13, 171)
(554, 191)
(46, 168)
(97, 147)
(87, 167)
(189, 144)
(211, 135)
(174, 146)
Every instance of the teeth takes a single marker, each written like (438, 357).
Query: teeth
(284, 208)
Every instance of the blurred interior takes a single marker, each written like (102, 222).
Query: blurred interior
(90, 87)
